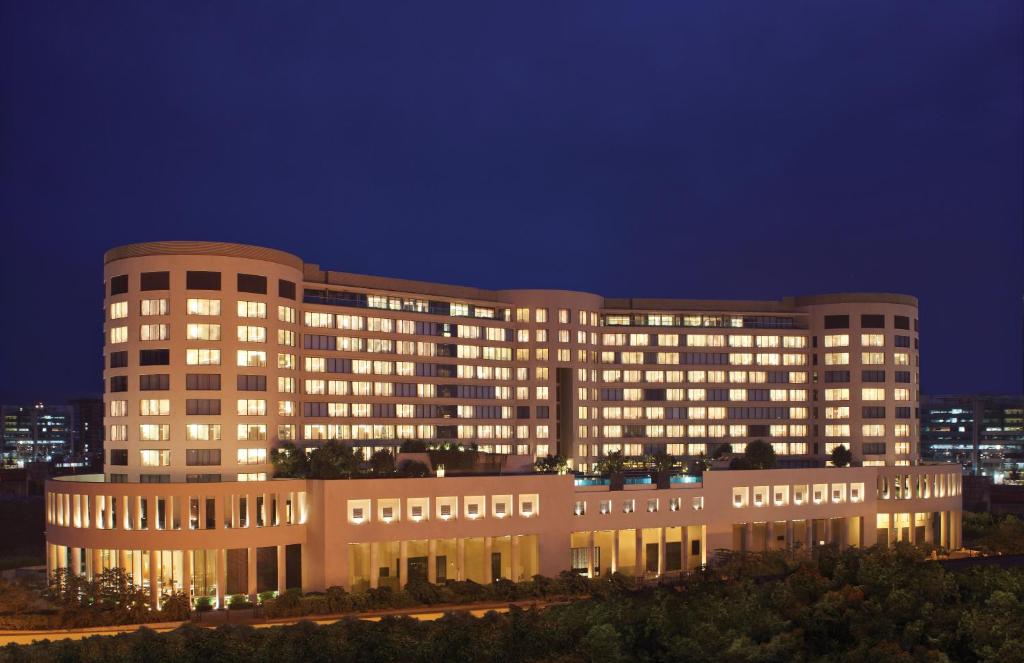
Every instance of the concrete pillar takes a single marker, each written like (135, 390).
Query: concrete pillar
(828, 531)
(432, 560)
(222, 577)
(615, 551)
(374, 565)
(460, 559)
(748, 537)
(769, 535)
(110, 511)
(488, 550)
(684, 549)
(76, 561)
(51, 559)
(514, 561)
(590, 554)
(956, 519)
(250, 567)
(154, 588)
(789, 535)
(122, 560)
(279, 504)
(403, 564)
(661, 551)
(892, 529)
(640, 568)
(97, 563)
(282, 569)
(186, 574)
(929, 528)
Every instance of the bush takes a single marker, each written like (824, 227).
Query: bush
(175, 607)
(204, 603)
(413, 469)
(239, 602)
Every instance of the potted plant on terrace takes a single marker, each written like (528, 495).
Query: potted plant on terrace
(612, 466)
(663, 464)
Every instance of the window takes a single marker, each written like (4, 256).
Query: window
(202, 381)
(286, 314)
(154, 357)
(837, 358)
(119, 359)
(202, 357)
(149, 407)
(119, 334)
(837, 322)
(252, 383)
(155, 281)
(872, 394)
(154, 307)
(118, 456)
(118, 310)
(251, 432)
(285, 289)
(203, 307)
(154, 432)
(252, 358)
(155, 457)
(202, 456)
(252, 309)
(202, 280)
(202, 432)
(154, 382)
(901, 322)
(202, 332)
(872, 321)
(202, 406)
(119, 285)
(248, 334)
(872, 340)
(252, 407)
(254, 456)
(118, 408)
(253, 283)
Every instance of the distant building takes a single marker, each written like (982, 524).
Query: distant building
(87, 440)
(981, 432)
(36, 432)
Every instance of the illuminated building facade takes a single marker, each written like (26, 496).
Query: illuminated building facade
(36, 432)
(985, 432)
(216, 353)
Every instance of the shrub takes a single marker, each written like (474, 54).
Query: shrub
(239, 602)
(204, 603)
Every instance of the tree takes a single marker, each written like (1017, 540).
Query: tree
(760, 455)
(413, 468)
(550, 463)
(383, 463)
(289, 461)
(841, 456)
(663, 461)
(333, 460)
(613, 463)
(721, 450)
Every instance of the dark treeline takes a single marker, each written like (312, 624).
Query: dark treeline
(856, 605)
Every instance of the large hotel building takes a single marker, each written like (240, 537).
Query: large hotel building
(216, 353)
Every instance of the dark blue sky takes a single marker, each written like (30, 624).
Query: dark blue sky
(687, 149)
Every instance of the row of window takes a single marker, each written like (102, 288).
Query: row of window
(193, 457)
(201, 280)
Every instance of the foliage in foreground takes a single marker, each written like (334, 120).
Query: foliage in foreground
(874, 605)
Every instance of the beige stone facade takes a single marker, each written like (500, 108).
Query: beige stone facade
(216, 353)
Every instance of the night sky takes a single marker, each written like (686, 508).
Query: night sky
(671, 149)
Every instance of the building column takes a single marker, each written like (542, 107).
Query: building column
(222, 577)
(76, 561)
(122, 560)
(769, 535)
(51, 560)
(892, 530)
(828, 531)
(514, 561)
(789, 535)
(640, 568)
(97, 563)
(186, 575)
(460, 559)
(154, 588)
(684, 549)
(956, 519)
(912, 530)
(403, 563)
(615, 551)
(432, 561)
(661, 551)
(374, 565)
(929, 528)
(590, 554)
(282, 570)
(488, 550)
(250, 567)
(748, 536)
